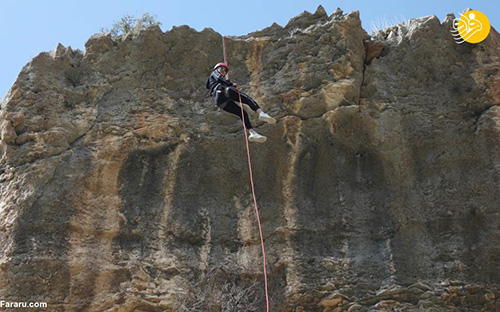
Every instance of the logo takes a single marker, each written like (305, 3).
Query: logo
(472, 27)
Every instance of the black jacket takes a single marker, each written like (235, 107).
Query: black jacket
(217, 82)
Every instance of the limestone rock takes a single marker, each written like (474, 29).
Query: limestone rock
(123, 188)
(373, 50)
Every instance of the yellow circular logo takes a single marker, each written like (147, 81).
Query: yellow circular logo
(472, 26)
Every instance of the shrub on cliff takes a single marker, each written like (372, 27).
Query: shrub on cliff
(130, 25)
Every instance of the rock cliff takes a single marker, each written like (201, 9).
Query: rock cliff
(123, 188)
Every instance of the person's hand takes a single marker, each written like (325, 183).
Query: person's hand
(235, 85)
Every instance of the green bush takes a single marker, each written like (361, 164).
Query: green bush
(129, 25)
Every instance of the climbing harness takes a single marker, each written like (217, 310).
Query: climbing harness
(251, 181)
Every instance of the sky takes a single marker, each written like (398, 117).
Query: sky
(29, 27)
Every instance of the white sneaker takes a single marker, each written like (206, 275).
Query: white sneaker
(255, 137)
(265, 117)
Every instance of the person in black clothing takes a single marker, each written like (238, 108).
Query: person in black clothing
(225, 95)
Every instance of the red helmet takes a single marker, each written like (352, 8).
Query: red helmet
(221, 65)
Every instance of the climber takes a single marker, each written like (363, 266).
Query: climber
(225, 95)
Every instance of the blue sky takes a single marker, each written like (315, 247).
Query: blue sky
(28, 27)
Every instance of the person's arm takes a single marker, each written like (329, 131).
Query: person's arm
(223, 80)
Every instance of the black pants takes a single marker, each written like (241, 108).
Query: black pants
(227, 100)
(233, 108)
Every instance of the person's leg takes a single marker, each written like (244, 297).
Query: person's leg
(232, 93)
(219, 97)
(235, 109)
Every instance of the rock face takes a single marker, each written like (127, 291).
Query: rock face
(123, 188)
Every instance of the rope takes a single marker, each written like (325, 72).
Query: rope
(252, 184)
(225, 54)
